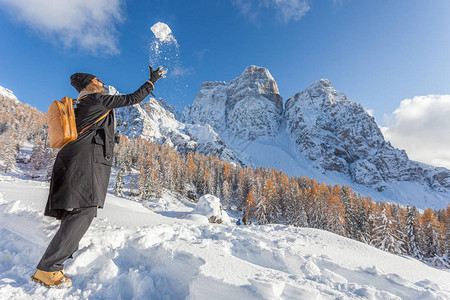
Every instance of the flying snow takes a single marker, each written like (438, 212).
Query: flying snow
(165, 44)
(164, 50)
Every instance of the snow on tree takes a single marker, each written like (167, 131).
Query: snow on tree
(385, 236)
(9, 146)
(226, 194)
(261, 211)
(317, 196)
(118, 185)
(147, 190)
(411, 233)
(38, 155)
(250, 206)
(349, 203)
(239, 194)
(433, 234)
(298, 216)
(272, 210)
(334, 212)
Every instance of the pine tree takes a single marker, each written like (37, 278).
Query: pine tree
(226, 194)
(37, 158)
(8, 144)
(118, 185)
(270, 197)
(141, 181)
(261, 213)
(147, 189)
(412, 233)
(155, 175)
(335, 213)
(349, 202)
(433, 234)
(299, 219)
(239, 192)
(316, 206)
(250, 206)
(385, 237)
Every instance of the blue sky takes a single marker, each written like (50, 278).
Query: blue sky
(377, 52)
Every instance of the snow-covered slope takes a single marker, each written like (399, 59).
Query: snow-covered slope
(133, 252)
(320, 134)
(151, 121)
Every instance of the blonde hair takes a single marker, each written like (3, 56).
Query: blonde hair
(91, 87)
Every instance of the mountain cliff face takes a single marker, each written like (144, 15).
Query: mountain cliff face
(151, 121)
(339, 135)
(248, 107)
(321, 124)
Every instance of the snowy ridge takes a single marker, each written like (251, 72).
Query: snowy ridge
(8, 94)
(169, 107)
(151, 121)
(133, 252)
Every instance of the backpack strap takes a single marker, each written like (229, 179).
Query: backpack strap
(98, 120)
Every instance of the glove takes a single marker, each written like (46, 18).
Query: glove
(157, 74)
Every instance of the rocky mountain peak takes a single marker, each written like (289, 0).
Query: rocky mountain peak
(338, 134)
(248, 107)
(320, 93)
(257, 81)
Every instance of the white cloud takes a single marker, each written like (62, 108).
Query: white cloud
(285, 10)
(421, 126)
(89, 25)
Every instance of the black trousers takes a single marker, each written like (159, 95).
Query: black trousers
(74, 225)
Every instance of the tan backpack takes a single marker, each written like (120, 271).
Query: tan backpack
(62, 128)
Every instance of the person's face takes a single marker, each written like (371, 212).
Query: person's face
(99, 84)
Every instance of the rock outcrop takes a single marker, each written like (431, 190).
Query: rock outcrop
(248, 107)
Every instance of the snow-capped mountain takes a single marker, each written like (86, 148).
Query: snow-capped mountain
(339, 135)
(320, 134)
(169, 107)
(250, 106)
(151, 121)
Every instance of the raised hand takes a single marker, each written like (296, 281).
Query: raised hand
(157, 74)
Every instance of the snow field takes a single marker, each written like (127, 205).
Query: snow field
(135, 251)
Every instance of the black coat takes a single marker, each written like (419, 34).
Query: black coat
(82, 168)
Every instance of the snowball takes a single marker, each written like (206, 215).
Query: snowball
(162, 32)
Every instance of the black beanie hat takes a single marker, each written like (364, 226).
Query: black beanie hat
(81, 80)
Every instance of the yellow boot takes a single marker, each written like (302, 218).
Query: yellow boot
(52, 279)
